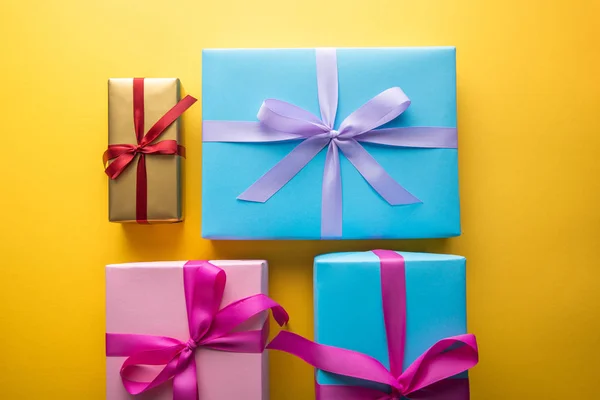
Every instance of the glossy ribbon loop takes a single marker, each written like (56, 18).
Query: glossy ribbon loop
(209, 327)
(282, 121)
(429, 377)
(124, 154)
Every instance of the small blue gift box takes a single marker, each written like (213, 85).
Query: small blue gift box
(348, 200)
(349, 310)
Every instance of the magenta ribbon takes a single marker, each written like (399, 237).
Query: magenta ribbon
(209, 327)
(282, 121)
(429, 377)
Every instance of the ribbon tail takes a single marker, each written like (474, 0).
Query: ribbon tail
(333, 359)
(185, 381)
(445, 359)
(375, 175)
(170, 116)
(236, 313)
(278, 176)
(331, 198)
(167, 356)
(118, 165)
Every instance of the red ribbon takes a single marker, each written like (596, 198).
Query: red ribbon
(124, 154)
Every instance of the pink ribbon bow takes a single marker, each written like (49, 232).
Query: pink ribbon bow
(429, 377)
(209, 327)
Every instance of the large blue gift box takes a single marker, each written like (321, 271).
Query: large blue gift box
(236, 82)
(349, 310)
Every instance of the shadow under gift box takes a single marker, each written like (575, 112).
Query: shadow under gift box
(349, 309)
(148, 298)
(236, 82)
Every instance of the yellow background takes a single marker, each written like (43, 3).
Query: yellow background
(529, 123)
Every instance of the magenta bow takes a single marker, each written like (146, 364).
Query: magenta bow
(429, 377)
(209, 327)
(282, 121)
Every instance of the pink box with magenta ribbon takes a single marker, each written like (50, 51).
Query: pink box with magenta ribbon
(188, 329)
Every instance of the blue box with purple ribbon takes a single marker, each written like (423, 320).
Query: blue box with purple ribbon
(329, 143)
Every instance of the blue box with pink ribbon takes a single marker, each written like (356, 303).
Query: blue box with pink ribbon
(388, 325)
(347, 143)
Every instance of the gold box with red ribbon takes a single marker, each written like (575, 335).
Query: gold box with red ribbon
(143, 159)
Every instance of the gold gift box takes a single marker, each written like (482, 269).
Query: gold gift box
(163, 171)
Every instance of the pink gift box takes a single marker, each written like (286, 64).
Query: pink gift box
(148, 298)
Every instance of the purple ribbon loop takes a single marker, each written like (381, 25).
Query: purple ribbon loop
(282, 121)
(209, 327)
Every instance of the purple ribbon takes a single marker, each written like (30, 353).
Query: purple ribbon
(281, 121)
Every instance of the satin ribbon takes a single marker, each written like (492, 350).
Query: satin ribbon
(429, 377)
(209, 327)
(282, 121)
(124, 154)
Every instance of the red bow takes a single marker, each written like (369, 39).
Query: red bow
(124, 154)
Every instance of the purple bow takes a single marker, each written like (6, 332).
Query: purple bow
(282, 121)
